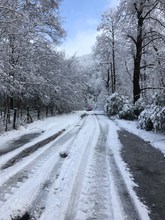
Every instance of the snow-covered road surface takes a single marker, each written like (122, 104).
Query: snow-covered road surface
(90, 182)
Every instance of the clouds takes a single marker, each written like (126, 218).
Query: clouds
(81, 20)
(81, 43)
(83, 39)
(113, 3)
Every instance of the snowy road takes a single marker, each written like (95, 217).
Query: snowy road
(79, 175)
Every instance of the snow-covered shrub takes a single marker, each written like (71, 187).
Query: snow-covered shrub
(153, 117)
(159, 99)
(120, 106)
(139, 106)
(161, 116)
(114, 104)
(144, 120)
(127, 112)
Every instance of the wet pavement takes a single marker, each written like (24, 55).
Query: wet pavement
(147, 166)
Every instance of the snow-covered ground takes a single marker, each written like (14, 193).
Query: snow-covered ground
(48, 126)
(86, 184)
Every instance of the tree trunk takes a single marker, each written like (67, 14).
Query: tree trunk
(113, 60)
(14, 119)
(11, 102)
(112, 85)
(108, 81)
(38, 113)
(52, 111)
(136, 75)
(136, 84)
(47, 110)
(137, 59)
(29, 118)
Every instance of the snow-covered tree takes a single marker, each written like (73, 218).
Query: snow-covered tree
(21, 24)
(142, 22)
(105, 48)
(33, 73)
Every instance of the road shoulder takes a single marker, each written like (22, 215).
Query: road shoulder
(147, 166)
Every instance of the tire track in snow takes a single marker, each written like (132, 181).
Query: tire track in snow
(95, 201)
(77, 187)
(36, 209)
(22, 152)
(104, 193)
(63, 197)
(16, 180)
(17, 204)
(121, 192)
(28, 151)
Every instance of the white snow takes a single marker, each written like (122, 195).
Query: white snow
(60, 195)
(26, 194)
(50, 126)
(20, 200)
(71, 178)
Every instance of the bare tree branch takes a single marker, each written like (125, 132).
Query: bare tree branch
(146, 88)
(154, 6)
(132, 39)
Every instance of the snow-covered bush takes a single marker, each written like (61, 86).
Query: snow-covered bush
(120, 106)
(144, 121)
(139, 106)
(127, 112)
(153, 117)
(114, 104)
(159, 99)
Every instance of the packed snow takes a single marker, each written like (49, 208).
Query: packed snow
(73, 185)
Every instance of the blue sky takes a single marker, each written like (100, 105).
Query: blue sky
(81, 18)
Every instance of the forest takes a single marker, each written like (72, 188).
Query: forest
(125, 76)
(130, 47)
